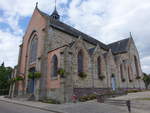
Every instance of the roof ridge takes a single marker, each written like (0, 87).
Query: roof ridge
(118, 41)
(57, 24)
(86, 36)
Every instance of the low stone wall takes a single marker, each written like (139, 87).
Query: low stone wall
(79, 92)
(87, 91)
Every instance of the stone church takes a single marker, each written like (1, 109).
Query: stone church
(72, 62)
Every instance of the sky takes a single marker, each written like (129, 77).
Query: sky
(105, 20)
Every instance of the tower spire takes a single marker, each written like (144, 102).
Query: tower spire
(55, 14)
(130, 35)
(36, 4)
(55, 4)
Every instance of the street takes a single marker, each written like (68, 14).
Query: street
(14, 108)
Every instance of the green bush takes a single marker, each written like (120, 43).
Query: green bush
(101, 77)
(19, 78)
(146, 80)
(61, 72)
(15, 79)
(37, 75)
(138, 77)
(132, 91)
(50, 101)
(87, 98)
(34, 75)
(30, 75)
(82, 75)
(12, 81)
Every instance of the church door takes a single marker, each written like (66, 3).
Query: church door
(113, 82)
(31, 82)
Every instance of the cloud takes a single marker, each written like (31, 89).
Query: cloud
(9, 48)
(112, 20)
(106, 20)
(12, 12)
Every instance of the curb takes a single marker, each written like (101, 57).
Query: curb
(40, 108)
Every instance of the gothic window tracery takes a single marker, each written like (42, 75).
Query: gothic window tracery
(99, 65)
(54, 66)
(80, 61)
(33, 49)
(121, 71)
(129, 73)
(136, 66)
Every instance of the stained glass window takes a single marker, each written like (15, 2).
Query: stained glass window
(54, 66)
(99, 65)
(80, 61)
(136, 65)
(33, 50)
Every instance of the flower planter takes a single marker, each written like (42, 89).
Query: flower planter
(101, 77)
(82, 75)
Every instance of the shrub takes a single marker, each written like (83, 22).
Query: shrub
(30, 75)
(146, 79)
(37, 75)
(61, 72)
(132, 91)
(130, 80)
(19, 78)
(12, 81)
(34, 75)
(15, 79)
(138, 77)
(87, 98)
(50, 101)
(82, 75)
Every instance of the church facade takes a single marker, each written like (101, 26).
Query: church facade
(71, 62)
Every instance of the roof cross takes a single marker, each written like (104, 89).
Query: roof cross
(55, 3)
(36, 4)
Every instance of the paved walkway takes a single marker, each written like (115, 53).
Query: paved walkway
(138, 106)
(135, 96)
(6, 107)
(137, 101)
(86, 107)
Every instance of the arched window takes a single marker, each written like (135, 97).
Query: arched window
(33, 49)
(80, 61)
(99, 65)
(129, 73)
(136, 66)
(121, 71)
(54, 66)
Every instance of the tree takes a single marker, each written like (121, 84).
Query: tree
(146, 80)
(5, 74)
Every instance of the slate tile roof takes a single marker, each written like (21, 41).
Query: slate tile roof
(72, 31)
(119, 46)
(116, 47)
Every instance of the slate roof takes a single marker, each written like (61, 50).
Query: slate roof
(91, 50)
(72, 31)
(116, 47)
(119, 46)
